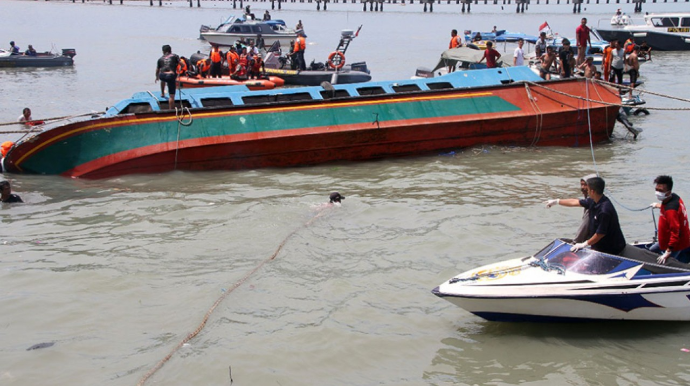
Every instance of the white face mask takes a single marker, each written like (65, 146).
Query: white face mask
(661, 196)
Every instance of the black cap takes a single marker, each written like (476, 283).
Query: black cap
(336, 197)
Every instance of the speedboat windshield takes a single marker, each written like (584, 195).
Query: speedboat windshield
(584, 261)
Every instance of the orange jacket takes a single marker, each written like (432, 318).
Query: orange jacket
(300, 44)
(203, 65)
(182, 67)
(215, 55)
(232, 58)
(454, 42)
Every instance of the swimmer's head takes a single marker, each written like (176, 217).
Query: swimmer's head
(336, 197)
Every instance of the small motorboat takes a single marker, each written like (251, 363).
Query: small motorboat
(41, 59)
(556, 284)
(241, 28)
(661, 31)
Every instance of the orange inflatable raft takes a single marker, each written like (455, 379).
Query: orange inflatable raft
(252, 84)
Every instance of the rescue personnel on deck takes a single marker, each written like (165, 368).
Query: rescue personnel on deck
(257, 69)
(216, 62)
(182, 66)
(242, 64)
(606, 61)
(203, 65)
(300, 46)
(629, 46)
(232, 59)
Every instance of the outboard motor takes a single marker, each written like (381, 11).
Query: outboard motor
(423, 72)
(71, 52)
(360, 66)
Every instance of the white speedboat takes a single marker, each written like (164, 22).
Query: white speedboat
(661, 31)
(559, 285)
(236, 29)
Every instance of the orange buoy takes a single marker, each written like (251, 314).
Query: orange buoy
(5, 147)
(336, 60)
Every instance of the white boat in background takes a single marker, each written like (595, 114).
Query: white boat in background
(661, 31)
(559, 285)
(235, 29)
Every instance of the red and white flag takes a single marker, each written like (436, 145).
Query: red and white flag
(545, 28)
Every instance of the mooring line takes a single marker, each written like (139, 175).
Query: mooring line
(222, 297)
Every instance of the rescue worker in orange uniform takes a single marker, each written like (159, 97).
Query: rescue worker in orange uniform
(216, 62)
(257, 69)
(182, 67)
(300, 46)
(242, 64)
(606, 62)
(203, 65)
(232, 59)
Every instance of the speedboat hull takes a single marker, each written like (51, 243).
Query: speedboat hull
(568, 286)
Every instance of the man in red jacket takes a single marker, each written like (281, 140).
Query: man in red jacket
(674, 234)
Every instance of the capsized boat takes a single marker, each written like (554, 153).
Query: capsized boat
(41, 59)
(557, 285)
(229, 128)
(661, 31)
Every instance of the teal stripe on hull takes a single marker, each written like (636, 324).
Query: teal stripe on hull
(76, 150)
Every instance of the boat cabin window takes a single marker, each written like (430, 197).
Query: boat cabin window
(258, 99)
(136, 108)
(216, 102)
(665, 21)
(439, 85)
(241, 29)
(327, 94)
(585, 261)
(371, 91)
(164, 105)
(406, 88)
(256, 29)
(685, 22)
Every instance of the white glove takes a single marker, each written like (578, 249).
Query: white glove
(663, 258)
(579, 246)
(655, 205)
(550, 203)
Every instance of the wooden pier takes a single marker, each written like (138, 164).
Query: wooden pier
(428, 5)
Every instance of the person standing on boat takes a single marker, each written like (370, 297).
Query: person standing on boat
(232, 59)
(674, 232)
(605, 234)
(216, 62)
(166, 72)
(582, 33)
(588, 67)
(455, 42)
(300, 47)
(582, 233)
(565, 56)
(617, 62)
(547, 60)
(540, 46)
(490, 55)
(519, 54)
(6, 194)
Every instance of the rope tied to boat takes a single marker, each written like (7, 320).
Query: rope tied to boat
(606, 103)
(52, 119)
(539, 116)
(225, 294)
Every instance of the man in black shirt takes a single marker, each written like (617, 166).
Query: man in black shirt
(565, 56)
(604, 228)
(7, 195)
(166, 71)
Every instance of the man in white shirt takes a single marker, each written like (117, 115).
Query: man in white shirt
(519, 55)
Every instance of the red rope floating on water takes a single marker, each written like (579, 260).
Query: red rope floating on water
(220, 299)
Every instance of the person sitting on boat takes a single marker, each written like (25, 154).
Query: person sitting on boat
(232, 59)
(14, 49)
(588, 67)
(604, 228)
(674, 233)
(256, 68)
(30, 51)
(299, 26)
(252, 50)
(216, 61)
(203, 66)
(248, 13)
(477, 37)
(548, 60)
(494, 30)
(6, 194)
(540, 46)
(267, 16)
(183, 66)
(242, 64)
(166, 72)
(597, 75)
(490, 55)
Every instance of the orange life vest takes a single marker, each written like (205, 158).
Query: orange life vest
(182, 67)
(300, 44)
(215, 55)
(203, 66)
(256, 65)
(629, 46)
(232, 58)
(454, 42)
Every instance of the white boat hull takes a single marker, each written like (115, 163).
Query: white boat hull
(228, 39)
